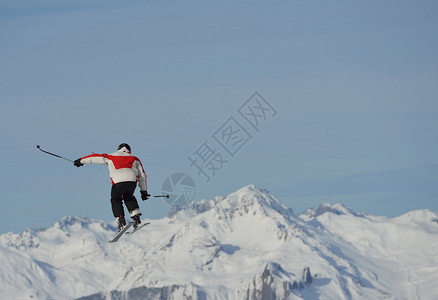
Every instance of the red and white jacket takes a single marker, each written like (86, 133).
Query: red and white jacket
(122, 165)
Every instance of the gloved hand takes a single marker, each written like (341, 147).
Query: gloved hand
(144, 195)
(78, 163)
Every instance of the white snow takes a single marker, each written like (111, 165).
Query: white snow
(244, 245)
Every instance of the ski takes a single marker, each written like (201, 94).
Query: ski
(138, 228)
(117, 237)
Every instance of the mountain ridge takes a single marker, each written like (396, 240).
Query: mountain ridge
(246, 245)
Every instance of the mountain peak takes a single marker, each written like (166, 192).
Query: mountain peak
(79, 223)
(245, 200)
(251, 195)
(251, 189)
(337, 209)
(418, 217)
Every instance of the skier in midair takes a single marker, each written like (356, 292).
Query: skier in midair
(125, 171)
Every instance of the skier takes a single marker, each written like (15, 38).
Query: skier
(125, 171)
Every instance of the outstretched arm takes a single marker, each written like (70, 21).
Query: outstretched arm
(91, 159)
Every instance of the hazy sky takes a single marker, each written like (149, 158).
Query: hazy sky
(347, 111)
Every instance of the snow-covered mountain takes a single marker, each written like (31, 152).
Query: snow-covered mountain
(246, 245)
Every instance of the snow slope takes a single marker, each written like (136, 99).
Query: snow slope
(246, 245)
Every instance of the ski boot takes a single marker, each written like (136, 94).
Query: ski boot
(122, 222)
(137, 221)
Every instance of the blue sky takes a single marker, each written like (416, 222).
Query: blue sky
(354, 85)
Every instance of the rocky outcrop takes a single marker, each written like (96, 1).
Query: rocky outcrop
(274, 283)
(174, 292)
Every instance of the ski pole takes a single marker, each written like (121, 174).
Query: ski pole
(56, 155)
(158, 196)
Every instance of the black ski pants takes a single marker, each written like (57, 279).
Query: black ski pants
(123, 191)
